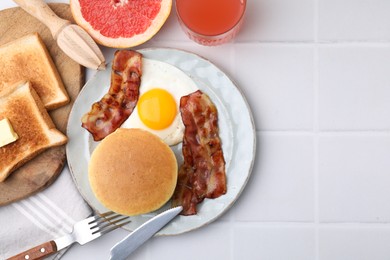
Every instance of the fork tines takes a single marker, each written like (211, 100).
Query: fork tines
(106, 222)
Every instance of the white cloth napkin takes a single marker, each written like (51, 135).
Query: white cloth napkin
(45, 216)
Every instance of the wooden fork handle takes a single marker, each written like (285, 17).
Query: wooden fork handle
(37, 252)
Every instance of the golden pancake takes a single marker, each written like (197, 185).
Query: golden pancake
(132, 172)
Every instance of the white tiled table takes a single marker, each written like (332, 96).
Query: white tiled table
(316, 74)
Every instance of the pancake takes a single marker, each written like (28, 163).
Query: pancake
(132, 172)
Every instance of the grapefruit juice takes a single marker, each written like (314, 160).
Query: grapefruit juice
(210, 22)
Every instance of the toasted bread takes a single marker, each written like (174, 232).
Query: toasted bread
(28, 59)
(30, 120)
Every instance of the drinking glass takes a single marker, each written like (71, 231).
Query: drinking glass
(210, 22)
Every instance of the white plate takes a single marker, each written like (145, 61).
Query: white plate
(236, 125)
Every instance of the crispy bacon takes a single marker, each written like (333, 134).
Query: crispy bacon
(117, 105)
(202, 175)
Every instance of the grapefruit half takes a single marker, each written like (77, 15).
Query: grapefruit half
(121, 23)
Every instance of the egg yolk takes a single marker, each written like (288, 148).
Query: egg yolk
(157, 108)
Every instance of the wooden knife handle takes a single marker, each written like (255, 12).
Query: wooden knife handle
(40, 10)
(37, 252)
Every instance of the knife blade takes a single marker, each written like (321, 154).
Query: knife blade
(130, 243)
(71, 38)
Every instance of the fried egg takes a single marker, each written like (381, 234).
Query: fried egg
(157, 109)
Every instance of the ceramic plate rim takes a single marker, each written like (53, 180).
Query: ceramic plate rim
(167, 55)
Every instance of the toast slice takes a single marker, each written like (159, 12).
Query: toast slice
(31, 122)
(28, 59)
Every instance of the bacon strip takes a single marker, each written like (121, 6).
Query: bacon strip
(117, 105)
(202, 174)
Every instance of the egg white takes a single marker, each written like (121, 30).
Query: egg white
(157, 74)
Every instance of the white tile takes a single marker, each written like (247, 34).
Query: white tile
(209, 242)
(171, 30)
(278, 20)
(281, 187)
(274, 243)
(354, 243)
(364, 20)
(278, 84)
(354, 88)
(354, 178)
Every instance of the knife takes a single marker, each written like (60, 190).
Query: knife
(71, 38)
(130, 243)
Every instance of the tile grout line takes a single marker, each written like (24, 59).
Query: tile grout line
(317, 42)
(310, 224)
(326, 132)
(316, 151)
(316, 127)
(281, 43)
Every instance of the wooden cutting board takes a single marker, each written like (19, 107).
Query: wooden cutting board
(42, 171)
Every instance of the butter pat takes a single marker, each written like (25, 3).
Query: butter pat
(7, 134)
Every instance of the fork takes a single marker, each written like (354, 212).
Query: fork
(83, 232)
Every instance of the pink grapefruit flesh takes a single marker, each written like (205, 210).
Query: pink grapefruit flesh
(121, 23)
